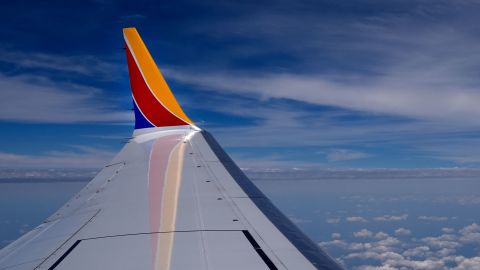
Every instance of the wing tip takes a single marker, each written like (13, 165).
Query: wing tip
(129, 29)
(155, 103)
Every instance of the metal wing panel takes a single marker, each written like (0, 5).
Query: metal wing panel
(278, 227)
(44, 241)
(170, 200)
(204, 200)
(115, 202)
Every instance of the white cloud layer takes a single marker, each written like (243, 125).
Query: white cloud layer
(402, 232)
(430, 253)
(391, 218)
(364, 233)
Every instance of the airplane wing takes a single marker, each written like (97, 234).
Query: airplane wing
(171, 199)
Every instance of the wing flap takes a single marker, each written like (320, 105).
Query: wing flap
(192, 250)
(47, 239)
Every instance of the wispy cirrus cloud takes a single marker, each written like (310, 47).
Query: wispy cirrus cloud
(84, 65)
(391, 96)
(43, 87)
(433, 218)
(345, 154)
(389, 75)
(39, 174)
(418, 63)
(391, 217)
(39, 99)
(276, 123)
(77, 157)
(413, 61)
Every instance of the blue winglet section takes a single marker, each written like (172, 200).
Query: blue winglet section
(140, 120)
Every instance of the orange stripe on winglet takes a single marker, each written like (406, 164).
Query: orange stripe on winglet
(152, 74)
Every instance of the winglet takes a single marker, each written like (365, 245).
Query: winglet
(154, 103)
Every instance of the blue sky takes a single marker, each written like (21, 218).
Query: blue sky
(357, 84)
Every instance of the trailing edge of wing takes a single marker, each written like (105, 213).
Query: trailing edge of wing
(154, 103)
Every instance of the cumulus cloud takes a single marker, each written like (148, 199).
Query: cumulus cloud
(420, 251)
(334, 243)
(336, 235)
(448, 230)
(433, 218)
(364, 233)
(472, 228)
(470, 234)
(443, 241)
(466, 263)
(381, 235)
(356, 219)
(402, 232)
(430, 253)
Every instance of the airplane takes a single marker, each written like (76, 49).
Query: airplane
(171, 199)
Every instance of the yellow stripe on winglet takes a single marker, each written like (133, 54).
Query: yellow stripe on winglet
(152, 74)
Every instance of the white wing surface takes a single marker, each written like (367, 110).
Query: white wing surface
(171, 199)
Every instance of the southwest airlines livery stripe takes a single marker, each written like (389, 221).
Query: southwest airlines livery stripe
(164, 177)
(140, 120)
(153, 98)
(146, 102)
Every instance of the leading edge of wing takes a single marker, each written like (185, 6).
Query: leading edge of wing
(317, 256)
